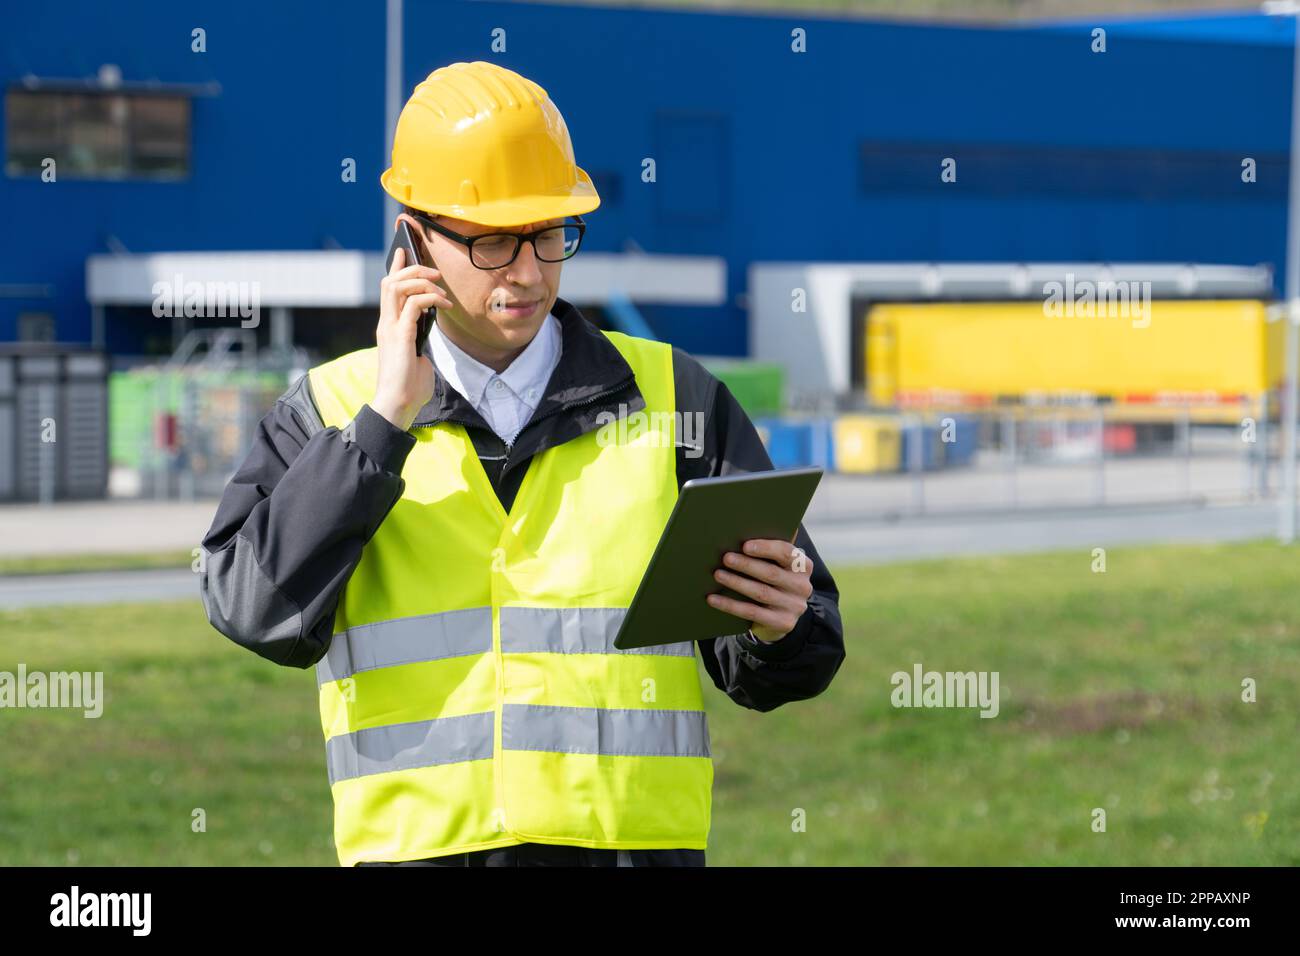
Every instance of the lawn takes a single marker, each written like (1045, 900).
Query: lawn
(1119, 690)
(71, 564)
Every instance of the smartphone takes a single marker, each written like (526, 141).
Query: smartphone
(404, 238)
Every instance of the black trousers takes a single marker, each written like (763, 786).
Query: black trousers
(543, 854)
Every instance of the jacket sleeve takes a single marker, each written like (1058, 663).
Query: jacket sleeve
(291, 524)
(719, 439)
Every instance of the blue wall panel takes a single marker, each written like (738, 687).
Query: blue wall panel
(759, 150)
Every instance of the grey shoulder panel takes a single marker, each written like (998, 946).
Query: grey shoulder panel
(243, 603)
(300, 400)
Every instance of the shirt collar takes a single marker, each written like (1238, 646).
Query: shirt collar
(466, 375)
(526, 376)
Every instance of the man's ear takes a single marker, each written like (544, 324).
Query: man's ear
(419, 229)
(413, 219)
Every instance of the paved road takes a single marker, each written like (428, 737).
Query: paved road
(98, 587)
(917, 538)
(840, 540)
(103, 527)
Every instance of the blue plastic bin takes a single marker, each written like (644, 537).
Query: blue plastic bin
(965, 433)
(932, 448)
(798, 443)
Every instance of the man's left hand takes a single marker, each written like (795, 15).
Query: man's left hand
(777, 575)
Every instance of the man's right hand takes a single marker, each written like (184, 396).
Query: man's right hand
(405, 381)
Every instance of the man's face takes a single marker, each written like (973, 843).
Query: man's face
(484, 299)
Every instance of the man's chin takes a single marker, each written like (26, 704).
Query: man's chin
(513, 332)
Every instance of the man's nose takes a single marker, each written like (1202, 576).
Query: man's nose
(525, 270)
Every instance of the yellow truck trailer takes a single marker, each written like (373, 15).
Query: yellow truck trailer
(974, 352)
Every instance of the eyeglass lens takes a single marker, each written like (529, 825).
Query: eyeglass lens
(553, 245)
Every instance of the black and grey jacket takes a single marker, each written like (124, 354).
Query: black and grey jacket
(293, 520)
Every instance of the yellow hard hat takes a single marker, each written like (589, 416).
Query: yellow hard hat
(481, 143)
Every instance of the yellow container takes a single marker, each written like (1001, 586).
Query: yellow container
(1165, 348)
(866, 443)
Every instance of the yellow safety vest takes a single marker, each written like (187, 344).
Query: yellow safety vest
(472, 696)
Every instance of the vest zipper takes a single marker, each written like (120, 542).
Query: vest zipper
(499, 704)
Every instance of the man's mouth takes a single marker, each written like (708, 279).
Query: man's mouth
(518, 309)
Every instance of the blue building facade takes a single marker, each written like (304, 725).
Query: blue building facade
(773, 138)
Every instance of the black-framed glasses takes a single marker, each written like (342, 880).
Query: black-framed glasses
(495, 250)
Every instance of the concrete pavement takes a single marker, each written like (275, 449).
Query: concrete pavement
(103, 527)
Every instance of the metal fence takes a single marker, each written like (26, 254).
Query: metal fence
(180, 429)
(1023, 457)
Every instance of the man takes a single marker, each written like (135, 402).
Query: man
(452, 537)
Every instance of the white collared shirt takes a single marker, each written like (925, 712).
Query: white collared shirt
(506, 401)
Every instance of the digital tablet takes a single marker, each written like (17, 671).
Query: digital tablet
(712, 516)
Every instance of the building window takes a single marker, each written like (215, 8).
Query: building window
(98, 135)
(1067, 172)
(35, 327)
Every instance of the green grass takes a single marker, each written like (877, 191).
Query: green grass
(1119, 690)
(69, 563)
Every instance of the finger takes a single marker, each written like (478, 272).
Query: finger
(403, 325)
(390, 302)
(770, 548)
(416, 304)
(409, 287)
(391, 286)
(773, 573)
(774, 597)
(418, 270)
(776, 620)
(800, 563)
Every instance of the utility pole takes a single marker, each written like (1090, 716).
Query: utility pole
(392, 106)
(1286, 531)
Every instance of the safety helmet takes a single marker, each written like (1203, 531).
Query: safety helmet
(481, 143)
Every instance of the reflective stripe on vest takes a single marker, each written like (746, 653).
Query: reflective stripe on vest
(430, 637)
(408, 746)
(472, 696)
(638, 732)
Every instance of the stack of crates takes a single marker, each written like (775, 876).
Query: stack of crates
(798, 442)
(867, 444)
(861, 443)
(931, 452)
(135, 399)
(53, 430)
(758, 386)
(965, 433)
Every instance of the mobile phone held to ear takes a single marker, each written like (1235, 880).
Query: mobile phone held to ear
(404, 238)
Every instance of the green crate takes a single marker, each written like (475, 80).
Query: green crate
(758, 386)
(136, 397)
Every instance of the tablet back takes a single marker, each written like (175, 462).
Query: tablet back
(712, 516)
